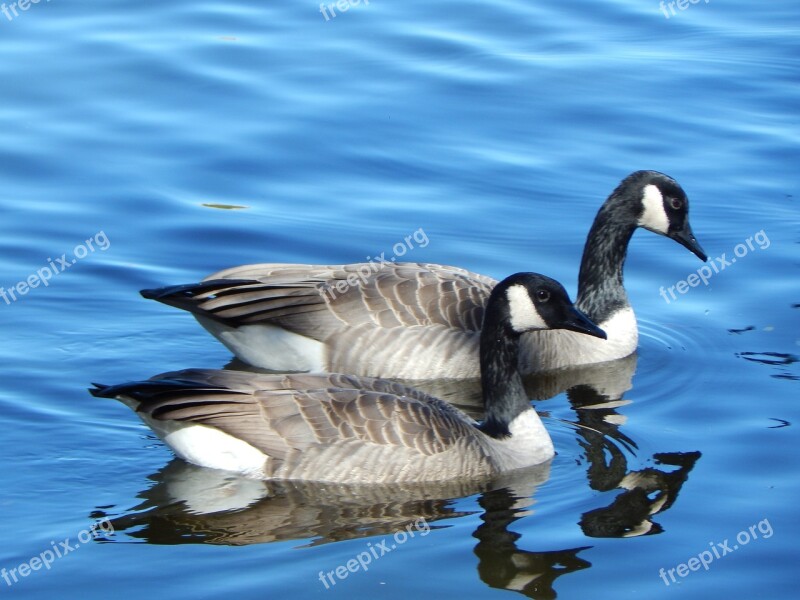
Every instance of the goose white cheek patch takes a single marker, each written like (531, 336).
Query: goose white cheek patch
(654, 216)
(524, 315)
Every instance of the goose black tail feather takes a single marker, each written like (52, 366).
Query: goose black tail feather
(149, 390)
(186, 296)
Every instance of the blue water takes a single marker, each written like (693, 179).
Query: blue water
(496, 127)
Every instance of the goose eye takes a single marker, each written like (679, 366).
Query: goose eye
(676, 203)
(542, 295)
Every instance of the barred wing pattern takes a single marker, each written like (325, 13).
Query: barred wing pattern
(332, 427)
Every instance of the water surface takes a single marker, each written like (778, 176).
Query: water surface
(196, 136)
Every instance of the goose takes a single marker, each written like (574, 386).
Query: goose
(417, 321)
(347, 429)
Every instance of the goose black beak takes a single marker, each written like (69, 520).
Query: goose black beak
(577, 321)
(685, 237)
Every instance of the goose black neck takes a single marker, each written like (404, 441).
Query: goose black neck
(504, 396)
(600, 282)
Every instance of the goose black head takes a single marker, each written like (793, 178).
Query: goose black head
(663, 207)
(520, 303)
(529, 301)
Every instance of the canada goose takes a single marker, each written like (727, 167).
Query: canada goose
(422, 321)
(347, 429)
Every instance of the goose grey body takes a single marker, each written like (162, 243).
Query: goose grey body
(349, 429)
(422, 321)
(316, 427)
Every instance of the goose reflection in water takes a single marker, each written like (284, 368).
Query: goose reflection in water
(595, 392)
(503, 565)
(193, 505)
(647, 491)
(189, 504)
